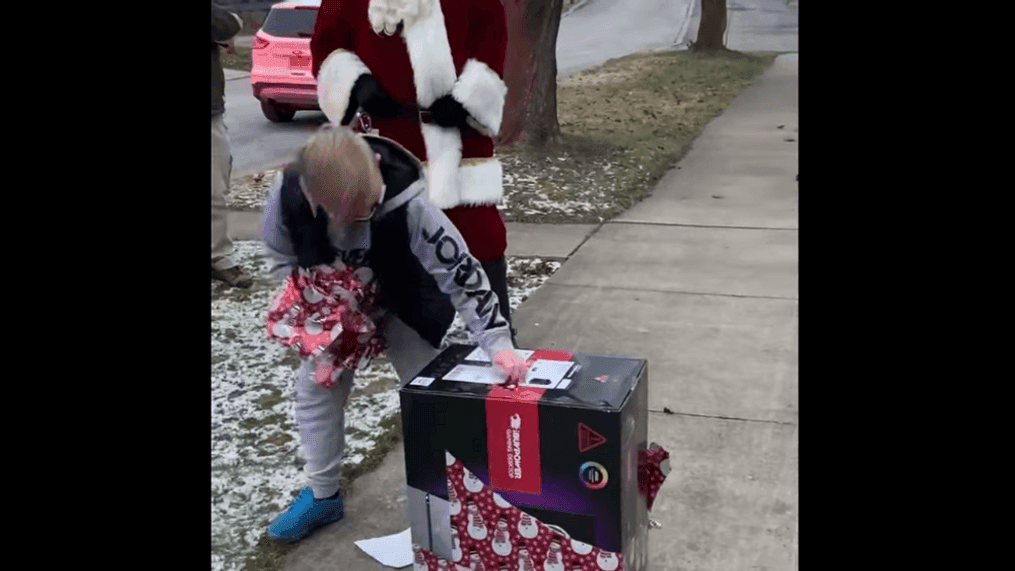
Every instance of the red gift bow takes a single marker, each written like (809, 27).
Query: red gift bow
(326, 313)
(653, 467)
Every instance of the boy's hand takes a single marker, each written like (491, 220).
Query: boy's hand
(512, 365)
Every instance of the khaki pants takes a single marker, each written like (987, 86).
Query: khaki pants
(221, 170)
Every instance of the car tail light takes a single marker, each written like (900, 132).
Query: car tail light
(259, 43)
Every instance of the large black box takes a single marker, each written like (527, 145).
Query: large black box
(562, 448)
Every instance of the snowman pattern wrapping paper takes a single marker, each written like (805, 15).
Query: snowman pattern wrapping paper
(653, 467)
(489, 534)
(328, 314)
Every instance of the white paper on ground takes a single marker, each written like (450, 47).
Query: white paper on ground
(390, 550)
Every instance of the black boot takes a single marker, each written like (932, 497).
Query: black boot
(496, 272)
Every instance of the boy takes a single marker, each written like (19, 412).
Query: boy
(360, 200)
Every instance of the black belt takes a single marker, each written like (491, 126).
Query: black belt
(410, 111)
(425, 115)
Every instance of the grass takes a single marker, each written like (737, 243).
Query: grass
(267, 433)
(623, 126)
(270, 555)
(242, 61)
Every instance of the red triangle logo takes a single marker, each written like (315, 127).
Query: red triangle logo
(588, 438)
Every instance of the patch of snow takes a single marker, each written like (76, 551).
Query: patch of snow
(250, 192)
(256, 458)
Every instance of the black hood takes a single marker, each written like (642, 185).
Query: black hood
(399, 167)
(309, 233)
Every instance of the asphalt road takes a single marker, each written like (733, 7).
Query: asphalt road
(589, 34)
(256, 142)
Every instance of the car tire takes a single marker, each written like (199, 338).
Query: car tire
(277, 113)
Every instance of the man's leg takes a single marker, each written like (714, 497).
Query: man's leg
(222, 265)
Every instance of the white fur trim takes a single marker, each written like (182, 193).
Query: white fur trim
(385, 15)
(443, 155)
(433, 69)
(335, 79)
(434, 76)
(481, 92)
(479, 182)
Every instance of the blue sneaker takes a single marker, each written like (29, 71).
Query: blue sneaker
(304, 515)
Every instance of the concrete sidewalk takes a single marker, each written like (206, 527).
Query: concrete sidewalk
(700, 279)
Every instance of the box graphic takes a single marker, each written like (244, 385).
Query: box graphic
(562, 448)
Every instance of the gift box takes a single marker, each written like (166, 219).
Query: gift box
(543, 476)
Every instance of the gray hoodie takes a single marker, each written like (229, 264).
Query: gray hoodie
(432, 247)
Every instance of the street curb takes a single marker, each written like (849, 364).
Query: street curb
(232, 74)
(573, 8)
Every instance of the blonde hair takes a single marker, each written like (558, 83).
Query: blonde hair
(338, 169)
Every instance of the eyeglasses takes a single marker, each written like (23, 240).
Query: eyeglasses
(314, 205)
(368, 216)
(373, 210)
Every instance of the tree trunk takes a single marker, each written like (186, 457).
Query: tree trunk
(530, 72)
(712, 26)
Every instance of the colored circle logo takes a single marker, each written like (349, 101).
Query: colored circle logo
(593, 475)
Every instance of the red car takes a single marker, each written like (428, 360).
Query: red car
(281, 75)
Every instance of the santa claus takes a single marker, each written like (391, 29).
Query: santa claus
(429, 74)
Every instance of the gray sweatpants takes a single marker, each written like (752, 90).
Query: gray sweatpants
(320, 412)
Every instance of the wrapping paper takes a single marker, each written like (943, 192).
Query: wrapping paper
(329, 314)
(489, 534)
(653, 467)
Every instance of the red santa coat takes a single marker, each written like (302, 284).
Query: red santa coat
(440, 47)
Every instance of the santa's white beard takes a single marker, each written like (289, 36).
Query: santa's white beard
(385, 15)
